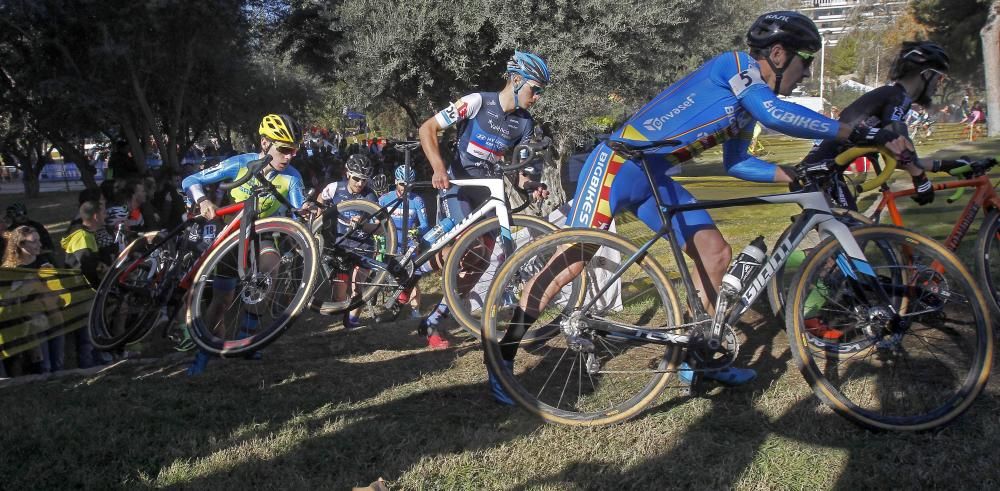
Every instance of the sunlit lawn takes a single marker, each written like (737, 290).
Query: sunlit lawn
(329, 409)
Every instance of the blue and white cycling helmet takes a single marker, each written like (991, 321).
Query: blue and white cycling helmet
(405, 174)
(530, 67)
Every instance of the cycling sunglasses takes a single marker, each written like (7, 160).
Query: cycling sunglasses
(941, 75)
(536, 89)
(807, 57)
(284, 148)
(357, 178)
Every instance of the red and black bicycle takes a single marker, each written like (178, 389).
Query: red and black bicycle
(262, 268)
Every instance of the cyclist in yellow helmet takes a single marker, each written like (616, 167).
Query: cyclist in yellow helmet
(279, 139)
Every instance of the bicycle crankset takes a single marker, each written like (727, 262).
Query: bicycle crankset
(714, 356)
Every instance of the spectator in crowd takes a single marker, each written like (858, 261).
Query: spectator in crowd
(120, 163)
(129, 207)
(17, 215)
(168, 200)
(105, 240)
(23, 250)
(80, 244)
(83, 253)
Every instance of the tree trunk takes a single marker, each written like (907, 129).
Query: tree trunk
(73, 154)
(31, 184)
(552, 176)
(990, 35)
(410, 113)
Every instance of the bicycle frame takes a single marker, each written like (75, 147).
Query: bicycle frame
(985, 195)
(816, 214)
(497, 202)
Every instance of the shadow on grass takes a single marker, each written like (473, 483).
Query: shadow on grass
(736, 444)
(324, 406)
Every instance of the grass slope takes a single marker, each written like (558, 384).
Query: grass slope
(331, 409)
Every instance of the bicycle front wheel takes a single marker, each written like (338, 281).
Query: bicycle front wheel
(988, 259)
(229, 316)
(472, 265)
(909, 348)
(340, 267)
(587, 373)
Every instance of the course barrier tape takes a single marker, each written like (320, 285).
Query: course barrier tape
(40, 304)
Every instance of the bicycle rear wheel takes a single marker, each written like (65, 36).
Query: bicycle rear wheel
(988, 259)
(914, 346)
(472, 265)
(127, 303)
(377, 244)
(251, 313)
(584, 374)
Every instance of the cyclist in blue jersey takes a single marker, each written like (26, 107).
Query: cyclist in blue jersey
(279, 138)
(354, 186)
(489, 124)
(718, 103)
(416, 224)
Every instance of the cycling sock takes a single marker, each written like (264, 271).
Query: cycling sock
(431, 321)
(438, 314)
(515, 332)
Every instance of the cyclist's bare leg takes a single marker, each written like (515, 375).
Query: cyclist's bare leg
(360, 275)
(474, 264)
(711, 255)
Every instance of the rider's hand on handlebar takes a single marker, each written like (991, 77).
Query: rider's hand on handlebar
(883, 137)
(440, 180)
(924, 188)
(207, 209)
(309, 209)
(539, 190)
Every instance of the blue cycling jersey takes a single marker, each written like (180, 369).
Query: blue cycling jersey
(416, 215)
(486, 131)
(288, 182)
(718, 103)
(337, 192)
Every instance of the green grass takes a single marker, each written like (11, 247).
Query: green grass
(330, 409)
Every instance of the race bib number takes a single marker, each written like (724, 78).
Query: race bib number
(744, 80)
(455, 112)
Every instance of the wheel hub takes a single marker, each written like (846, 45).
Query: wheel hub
(255, 289)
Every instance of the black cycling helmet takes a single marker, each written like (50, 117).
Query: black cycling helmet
(917, 56)
(359, 165)
(792, 29)
(379, 183)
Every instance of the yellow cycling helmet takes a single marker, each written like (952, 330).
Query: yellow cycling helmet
(280, 128)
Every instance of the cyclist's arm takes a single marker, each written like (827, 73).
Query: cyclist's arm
(740, 164)
(429, 143)
(424, 225)
(465, 108)
(789, 118)
(225, 171)
(327, 195)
